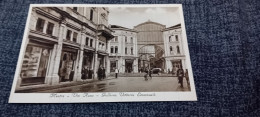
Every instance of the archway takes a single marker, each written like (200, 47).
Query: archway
(150, 56)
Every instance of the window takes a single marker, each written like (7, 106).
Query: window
(170, 48)
(91, 14)
(132, 51)
(87, 39)
(125, 39)
(112, 49)
(116, 38)
(178, 49)
(50, 28)
(176, 37)
(126, 50)
(99, 45)
(75, 8)
(116, 49)
(68, 34)
(40, 24)
(75, 35)
(91, 42)
(103, 46)
(169, 38)
(131, 39)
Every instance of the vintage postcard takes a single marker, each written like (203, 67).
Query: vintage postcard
(75, 53)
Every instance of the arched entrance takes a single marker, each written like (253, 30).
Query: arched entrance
(150, 56)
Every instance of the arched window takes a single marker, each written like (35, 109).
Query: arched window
(125, 39)
(91, 42)
(132, 51)
(125, 50)
(170, 49)
(116, 49)
(112, 49)
(169, 38)
(176, 37)
(116, 38)
(132, 40)
(87, 39)
(178, 49)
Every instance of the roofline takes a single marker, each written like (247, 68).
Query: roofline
(147, 22)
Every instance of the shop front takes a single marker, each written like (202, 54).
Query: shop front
(67, 64)
(129, 65)
(35, 63)
(87, 65)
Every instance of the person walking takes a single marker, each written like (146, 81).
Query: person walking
(180, 74)
(116, 72)
(150, 74)
(99, 73)
(103, 73)
(187, 77)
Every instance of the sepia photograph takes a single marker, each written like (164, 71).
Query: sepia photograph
(107, 53)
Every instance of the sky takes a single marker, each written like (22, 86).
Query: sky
(131, 16)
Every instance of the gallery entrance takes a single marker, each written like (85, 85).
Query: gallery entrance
(150, 56)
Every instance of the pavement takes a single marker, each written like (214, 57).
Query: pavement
(111, 84)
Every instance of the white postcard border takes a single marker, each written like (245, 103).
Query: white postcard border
(90, 97)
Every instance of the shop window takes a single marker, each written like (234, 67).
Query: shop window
(132, 51)
(40, 24)
(75, 35)
(116, 49)
(87, 39)
(112, 49)
(68, 34)
(176, 37)
(91, 14)
(178, 49)
(35, 62)
(126, 50)
(50, 28)
(91, 42)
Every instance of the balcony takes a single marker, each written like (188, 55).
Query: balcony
(104, 31)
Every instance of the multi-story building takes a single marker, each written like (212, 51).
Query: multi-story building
(173, 46)
(61, 41)
(123, 50)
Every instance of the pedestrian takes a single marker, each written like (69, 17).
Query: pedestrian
(180, 74)
(187, 77)
(83, 74)
(116, 72)
(103, 73)
(150, 74)
(90, 74)
(99, 73)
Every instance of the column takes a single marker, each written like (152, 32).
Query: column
(107, 64)
(77, 75)
(136, 65)
(55, 77)
(95, 64)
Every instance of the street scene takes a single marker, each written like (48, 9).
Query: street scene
(104, 49)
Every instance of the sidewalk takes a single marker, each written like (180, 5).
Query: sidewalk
(43, 87)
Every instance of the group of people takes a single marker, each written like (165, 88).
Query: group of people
(101, 73)
(181, 74)
(86, 73)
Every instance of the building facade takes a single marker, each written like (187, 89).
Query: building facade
(123, 50)
(173, 46)
(62, 42)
